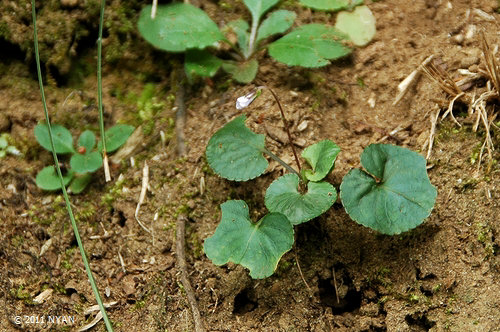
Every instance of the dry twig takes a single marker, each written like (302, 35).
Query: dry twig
(182, 266)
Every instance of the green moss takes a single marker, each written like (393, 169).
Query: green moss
(17, 241)
(19, 293)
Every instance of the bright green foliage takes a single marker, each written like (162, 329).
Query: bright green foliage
(202, 63)
(47, 179)
(284, 197)
(277, 22)
(321, 156)
(243, 72)
(116, 136)
(394, 194)
(310, 45)
(84, 160)
(63, 141)
(235, 152)
(178, 27)
(359, 25)
(259, 7)
(332, 5)
(257, 246)
(87, 140)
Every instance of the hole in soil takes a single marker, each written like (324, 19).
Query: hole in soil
(243, 303)
(121, 219)
(349, 297)
(419, 322)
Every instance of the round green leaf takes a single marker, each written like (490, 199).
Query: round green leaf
(359, 25)
(257, 246)
(243, 72)
(80, 182)
(258, 7)
(310, 45)
(284, 197)
(332, 5)
(201, 63)
(83, 163)
(278, 22)
(178, 27)
(235, 152)
(63, 141)
(321, 156)
(87, 140)
(394, 195)
(47, 179)
(116, 136)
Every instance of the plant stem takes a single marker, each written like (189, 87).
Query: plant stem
(253, 35)
(109, 327)
(285, 124)
(281, 162)
(99, 94)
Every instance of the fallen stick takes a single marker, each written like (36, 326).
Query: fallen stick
(181, 265)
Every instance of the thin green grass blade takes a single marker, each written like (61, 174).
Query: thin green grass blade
(99, 93)
(59, 173)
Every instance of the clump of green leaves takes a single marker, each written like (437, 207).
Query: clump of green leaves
(392, 195)
(84, 160)
(172, 29)
(6, 147)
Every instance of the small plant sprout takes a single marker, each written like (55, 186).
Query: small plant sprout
(6, 148)
(236, 153)
(84, 159)
(172, 30)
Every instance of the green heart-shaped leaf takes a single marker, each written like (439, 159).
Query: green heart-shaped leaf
(359, 25)
(278, 22)
(321, 156)
(243, 72)
(201, 62)
(394, 195)
(116, 136)
(63, 141)
(47, 179)
(257, 246)
(259, 7)
(284, 197)
(310, 45)
(87, 140)
(80, 182)
(332, 5)
(235, 152)
(83, 163)
(178, 27)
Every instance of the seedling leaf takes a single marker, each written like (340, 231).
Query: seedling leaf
(87, 140)
(283, 196)
(201, 62)
(178, 27)
(332, 5)
(359, 25)
(257, 246)
(235, 152)
(47, 179)
(243, 72)
(80, 182)
(321, 156)
(393, 195)
(258, 7)
(3, 142)
(240, 27)
(277, 22)
(88, 162)
(116, 136)
(310, 45)
(63, 141)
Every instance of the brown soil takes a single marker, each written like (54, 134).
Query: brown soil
(442, 276)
